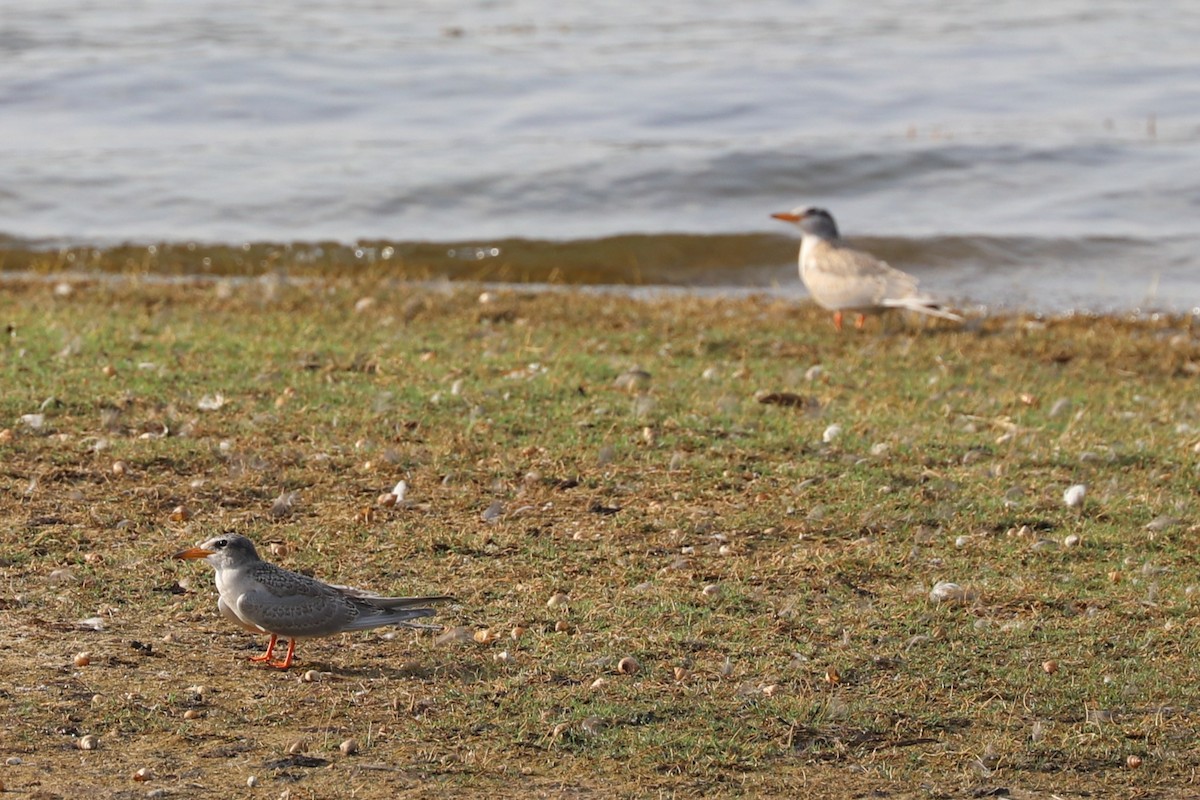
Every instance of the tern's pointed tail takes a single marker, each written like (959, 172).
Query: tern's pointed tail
(923, 305)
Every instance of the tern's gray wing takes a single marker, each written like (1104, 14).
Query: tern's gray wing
(290, 604)
(841, 278)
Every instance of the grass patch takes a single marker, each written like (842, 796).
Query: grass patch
(772, 586)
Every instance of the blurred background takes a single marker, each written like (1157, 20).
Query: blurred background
(1012, 153)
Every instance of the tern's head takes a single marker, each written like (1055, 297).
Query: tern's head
(224, 551)
(811, 221)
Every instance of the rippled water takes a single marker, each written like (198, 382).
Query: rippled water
(1020, 153)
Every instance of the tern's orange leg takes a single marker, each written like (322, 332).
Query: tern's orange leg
(287, 660)
(270, 651)
(837, 320)
(858, 323)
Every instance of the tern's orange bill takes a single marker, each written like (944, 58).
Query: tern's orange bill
(787, 216)
(193, 552)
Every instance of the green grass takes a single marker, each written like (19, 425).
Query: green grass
(817, 663)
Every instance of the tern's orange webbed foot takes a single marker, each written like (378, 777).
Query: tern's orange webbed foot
(270, 651)
(287, 659)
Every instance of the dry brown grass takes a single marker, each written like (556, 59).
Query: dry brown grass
(815, 665)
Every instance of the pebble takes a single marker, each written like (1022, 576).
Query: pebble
(83, 659)
(311, 676)
(557, 600)
(1074, 495)
(348, 747)
(252, 781)
(831, 433)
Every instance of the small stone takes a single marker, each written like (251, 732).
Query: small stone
(772, 689)
(503, 657)
(83, 659)
(1050, 667)
(831, 433)
(143, 775)
(1074, 495)
(711, 590)
(348, 747)
(252, 781)
(562, 626)
(297, 747)
(598, 683)
(119, 468)
(193, 713)
(628, 665)
(1072, 541)
(557, 600)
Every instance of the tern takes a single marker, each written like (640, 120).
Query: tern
(265, 598)
(843, 279)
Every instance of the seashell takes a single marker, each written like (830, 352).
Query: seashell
(592, 726)
(1074, 495)
(311, 676)
(348, 747)
(211, 402)
(628, 665)
(831, 433)
(503, 657)
(88, 742)
(557, 600)
(493, 512)
(83, 659)
(948, 592)
(1050, 666)
(142, 775)
(711, 590)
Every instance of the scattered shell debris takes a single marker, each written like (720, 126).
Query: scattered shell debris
(950, 592)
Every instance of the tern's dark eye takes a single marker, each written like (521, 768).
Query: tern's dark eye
(219, 543)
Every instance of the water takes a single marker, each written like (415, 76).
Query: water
(1042, 155)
